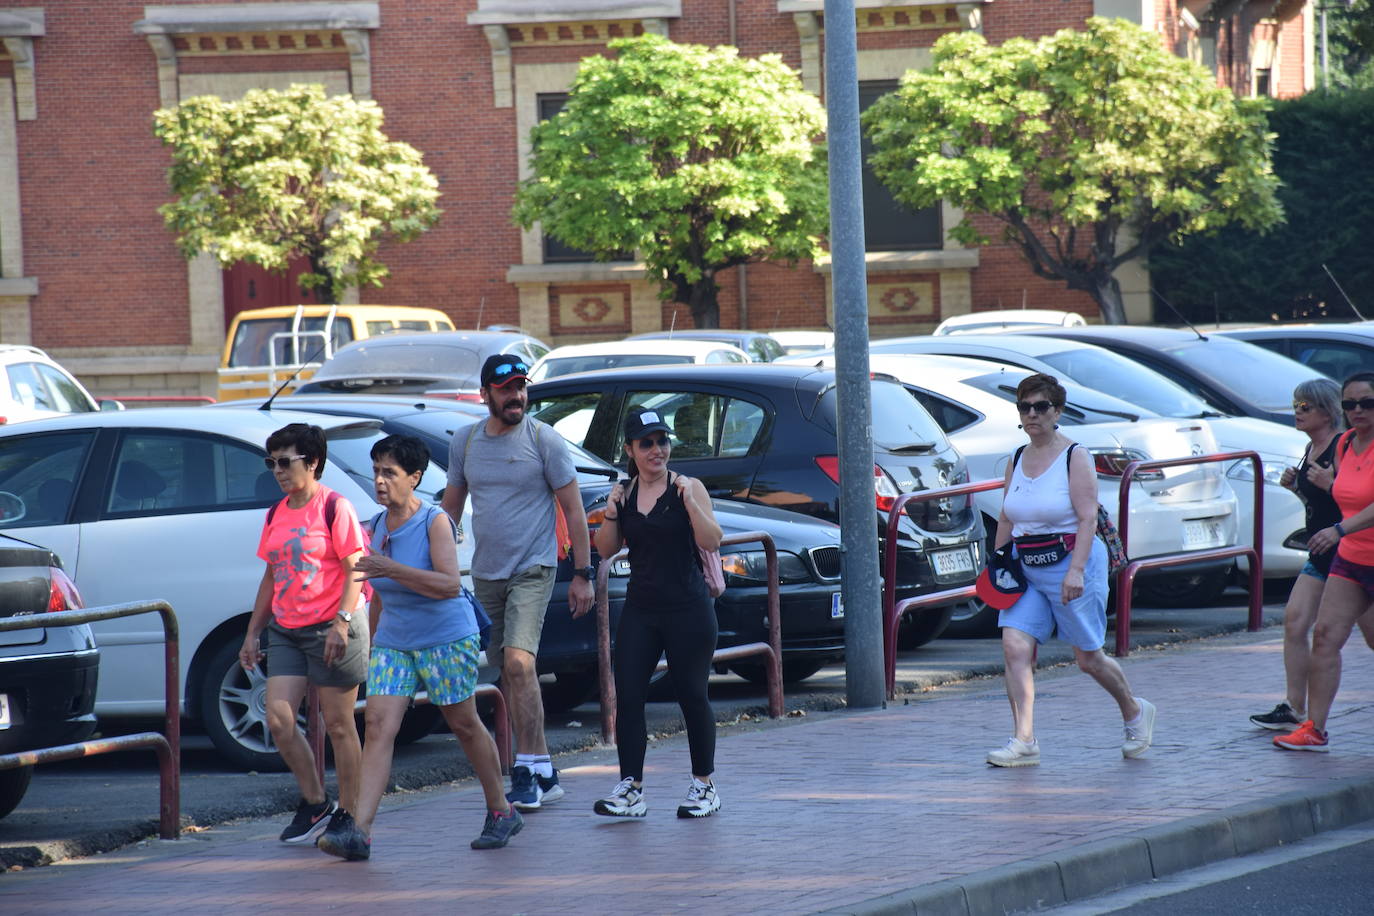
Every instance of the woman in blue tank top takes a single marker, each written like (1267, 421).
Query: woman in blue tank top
(426, 636)
(1049, 512)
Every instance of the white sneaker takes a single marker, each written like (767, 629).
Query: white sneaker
(701, 801)
(1016, 753)
(624, 801)
(1139, 736)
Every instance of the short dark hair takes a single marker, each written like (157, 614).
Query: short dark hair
(305, 439)
(410, 452)
(1042, 382)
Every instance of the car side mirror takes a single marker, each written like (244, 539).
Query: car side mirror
(111, 404)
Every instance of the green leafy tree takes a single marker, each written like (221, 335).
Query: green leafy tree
(695, 157)
(1089, 147)
(283, 175)
(1324, 154)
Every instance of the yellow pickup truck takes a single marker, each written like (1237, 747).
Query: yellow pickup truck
(264, 347)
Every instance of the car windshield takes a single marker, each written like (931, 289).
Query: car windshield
(389, 358)
(269, 341)
(899, 422)
(1261, 376)
(567, 365)
(1103, 370)
(1083, 405)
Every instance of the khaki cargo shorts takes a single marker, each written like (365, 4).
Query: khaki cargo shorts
(516, 607)
(299, 652)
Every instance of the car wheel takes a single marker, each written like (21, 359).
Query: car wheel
(568, 690)
(1184, 591)
(794, 670)
(233, 711)
(13, 784)
(971, 619)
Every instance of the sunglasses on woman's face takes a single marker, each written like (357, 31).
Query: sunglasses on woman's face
(284, 462)
(1025, 407)
(1362, 403)
(649, 442)
(1302, 407)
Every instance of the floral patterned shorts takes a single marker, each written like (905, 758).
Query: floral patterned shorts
(447, 672)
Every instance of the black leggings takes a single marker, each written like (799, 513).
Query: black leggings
(689, 638)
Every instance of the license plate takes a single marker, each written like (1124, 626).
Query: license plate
(836, 606)
(4, 710)
(1201, 533)
(952, 562)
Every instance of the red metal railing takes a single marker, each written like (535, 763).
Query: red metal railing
(167, 745)
(1125, 577)
(893, 610)
(772, 649)
(314, 723)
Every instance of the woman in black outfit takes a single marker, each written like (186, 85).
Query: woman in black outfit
(1317, 409)
(664, 517)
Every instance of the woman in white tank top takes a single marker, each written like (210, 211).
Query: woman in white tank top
(1050, 511)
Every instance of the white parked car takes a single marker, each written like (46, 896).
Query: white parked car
(621, 354)
(33, 385)
(169, 503)
(1279, 446)
(1008, 320)
(1187, 508)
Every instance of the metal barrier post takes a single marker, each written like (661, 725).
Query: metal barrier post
(892, 612)
(166, 745)
(772, 650)
(1126, 575)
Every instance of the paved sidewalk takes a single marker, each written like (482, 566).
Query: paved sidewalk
(854, 812)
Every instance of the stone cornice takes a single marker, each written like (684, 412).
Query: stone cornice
(911, 261)
(255, 17)
(517, 12)
(818, 6)
(22, 22)
(579, 272)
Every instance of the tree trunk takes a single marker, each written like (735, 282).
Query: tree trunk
(701, 299)
(1107, 293)
(325, 292)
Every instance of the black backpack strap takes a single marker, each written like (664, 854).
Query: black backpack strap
(1016, 459)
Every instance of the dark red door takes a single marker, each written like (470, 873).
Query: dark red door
(248, 286)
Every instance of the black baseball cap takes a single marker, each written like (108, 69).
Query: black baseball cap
(502, 369)
(1001, 582)
(644, 420)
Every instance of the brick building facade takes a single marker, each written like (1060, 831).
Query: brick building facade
(88, 271)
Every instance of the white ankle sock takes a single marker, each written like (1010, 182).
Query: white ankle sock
(542, 766)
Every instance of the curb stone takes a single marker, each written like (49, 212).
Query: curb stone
(1135, 858)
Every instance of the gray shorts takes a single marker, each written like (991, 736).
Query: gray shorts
(516, 607)
(299, 652)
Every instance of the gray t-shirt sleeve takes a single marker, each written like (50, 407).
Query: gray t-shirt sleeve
(558, 464)
(457, 452)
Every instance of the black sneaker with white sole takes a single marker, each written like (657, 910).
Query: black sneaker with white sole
(626, 800)
(344, 839)
(310, 821)
(1281, 718)
(702, 800)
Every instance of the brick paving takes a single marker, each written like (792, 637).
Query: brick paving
(816, 814)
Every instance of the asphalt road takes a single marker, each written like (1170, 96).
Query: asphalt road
(99, 803)
(1328, 875)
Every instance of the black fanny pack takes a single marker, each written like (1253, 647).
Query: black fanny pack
(1039, 550)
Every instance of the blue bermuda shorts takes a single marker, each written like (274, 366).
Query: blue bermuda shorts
(448, 672)
(1082, 623)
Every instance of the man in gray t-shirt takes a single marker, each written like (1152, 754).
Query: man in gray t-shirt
(514, 467)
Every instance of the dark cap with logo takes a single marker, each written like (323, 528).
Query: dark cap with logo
(1001, 582)
(502, 369)
(644, 420)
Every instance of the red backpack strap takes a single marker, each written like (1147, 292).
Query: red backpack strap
(331, 503)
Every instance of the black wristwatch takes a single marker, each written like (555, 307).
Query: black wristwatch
(586, 572)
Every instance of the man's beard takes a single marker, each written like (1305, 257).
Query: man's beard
(500, 412)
